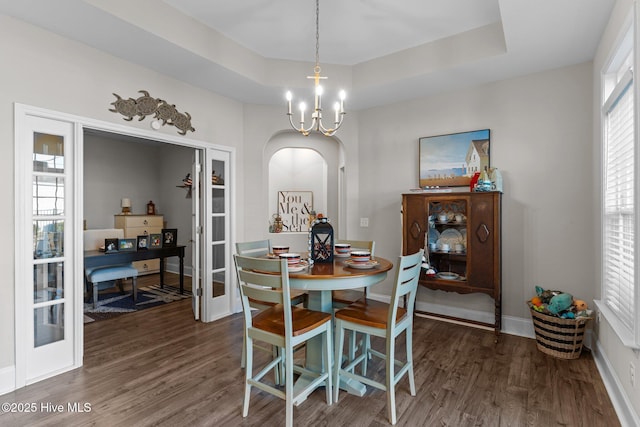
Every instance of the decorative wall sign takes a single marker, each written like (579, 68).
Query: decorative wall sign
(146, 105)
(294, 208)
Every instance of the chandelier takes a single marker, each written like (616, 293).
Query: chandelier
(316, 115)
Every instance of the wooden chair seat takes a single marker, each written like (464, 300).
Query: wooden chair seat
(303, 320)
(369, 313)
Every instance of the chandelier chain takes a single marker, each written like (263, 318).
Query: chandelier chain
(317, 68)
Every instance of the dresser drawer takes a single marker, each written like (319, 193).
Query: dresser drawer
(141, 221)
(147, 266)
(131, 232)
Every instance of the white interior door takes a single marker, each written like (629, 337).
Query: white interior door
(196, 232)
(216, 219)
(45, 300)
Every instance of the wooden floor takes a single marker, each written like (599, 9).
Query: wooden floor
(160, 367)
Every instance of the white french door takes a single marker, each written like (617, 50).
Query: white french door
(196, 231)
(49, 278)
(45, 159)
(217, 293)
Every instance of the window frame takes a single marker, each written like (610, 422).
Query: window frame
(614, 78)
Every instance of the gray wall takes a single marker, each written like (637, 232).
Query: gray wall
(142, 171)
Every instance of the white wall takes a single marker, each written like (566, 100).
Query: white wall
(142, 171)
(613, 357)
(114, 169)
(52, 72)
(540, 132)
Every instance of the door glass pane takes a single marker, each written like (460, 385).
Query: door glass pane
(217, 176)
(218, 284)
(218, 256)
(218, 200)
(48, 282)
(217, 224)
(219, 270)
(48, 153)
(48, 238)
(48, 195)
(48, 324)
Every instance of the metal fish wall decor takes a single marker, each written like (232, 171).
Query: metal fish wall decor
(146, 105)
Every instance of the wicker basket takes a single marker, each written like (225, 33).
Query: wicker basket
(557, 337)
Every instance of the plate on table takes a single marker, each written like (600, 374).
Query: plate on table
(294, 268)
(361, 265)
(447, 275)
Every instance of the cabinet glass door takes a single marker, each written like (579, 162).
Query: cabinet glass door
(446, 239)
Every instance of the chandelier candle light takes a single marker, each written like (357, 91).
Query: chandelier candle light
(316, 115)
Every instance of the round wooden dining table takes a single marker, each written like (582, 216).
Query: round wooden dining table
(320, 279)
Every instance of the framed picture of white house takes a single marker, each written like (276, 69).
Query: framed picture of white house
(451, 160)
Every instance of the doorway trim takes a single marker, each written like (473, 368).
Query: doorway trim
(21, 113)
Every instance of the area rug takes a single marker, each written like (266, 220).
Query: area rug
(113, 303)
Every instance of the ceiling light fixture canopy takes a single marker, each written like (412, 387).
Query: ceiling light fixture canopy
(316, 115)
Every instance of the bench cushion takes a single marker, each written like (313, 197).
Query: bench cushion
(112, 272)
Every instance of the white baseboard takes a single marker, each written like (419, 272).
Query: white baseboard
(510, 325)
(172, 267)
(7, 379)
(621, 403)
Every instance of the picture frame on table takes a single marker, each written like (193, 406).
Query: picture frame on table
(110, 246)
(143, 242)
(127, 245)
(169, 237)
(155, 241)
(451, 160)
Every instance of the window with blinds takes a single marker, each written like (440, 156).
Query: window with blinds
(618, 202)
(619, 213)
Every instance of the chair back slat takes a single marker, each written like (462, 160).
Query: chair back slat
(265, 280)
(407, 276)
(256, 248)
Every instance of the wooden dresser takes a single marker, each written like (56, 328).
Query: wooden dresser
(139, 225)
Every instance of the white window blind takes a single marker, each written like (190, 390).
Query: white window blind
(619, 211)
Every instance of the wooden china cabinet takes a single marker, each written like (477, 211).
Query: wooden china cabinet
(469, 223)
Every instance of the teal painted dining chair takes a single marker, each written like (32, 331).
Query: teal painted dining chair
(280, 325)
(387, 321)
(258, 249)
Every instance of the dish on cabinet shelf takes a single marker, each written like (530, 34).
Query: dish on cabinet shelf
(450, 236)
(447, 275)
(434, 235)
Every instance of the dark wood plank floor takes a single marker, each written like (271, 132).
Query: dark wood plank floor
(160, 367)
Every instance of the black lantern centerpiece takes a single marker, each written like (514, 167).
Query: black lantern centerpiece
(321, 241)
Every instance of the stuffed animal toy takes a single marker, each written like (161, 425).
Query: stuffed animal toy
(568, 315)
(580, 305)
(536, 301)
(559, 303)
(546, 295)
